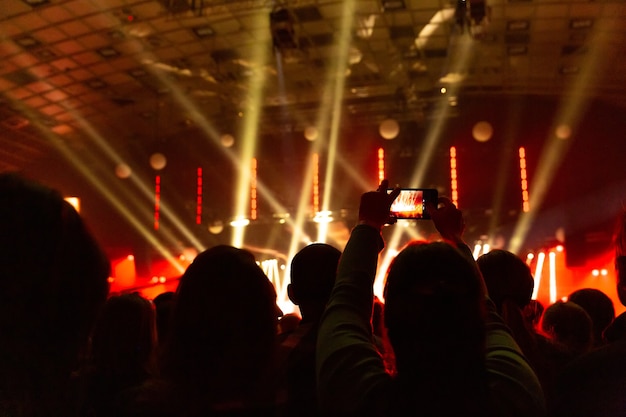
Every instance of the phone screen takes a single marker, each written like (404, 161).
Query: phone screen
(411, 203)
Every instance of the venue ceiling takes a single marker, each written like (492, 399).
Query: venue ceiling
(88, 84)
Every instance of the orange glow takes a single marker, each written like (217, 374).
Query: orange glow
(74, 201)
(453, 177)
(381, 164)
(524, 180)
(152, 291)
(199, 196)
(157, 201)
(124, 272)
(253, 195)
(597, 272)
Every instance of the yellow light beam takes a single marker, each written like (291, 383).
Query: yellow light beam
(248, 137)
(88, 172)
(463, 48)
(555, 149)
(339, 77)
(335, 74)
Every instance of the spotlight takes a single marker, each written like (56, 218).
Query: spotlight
(240, 222)
(324, 216)
(281, 26)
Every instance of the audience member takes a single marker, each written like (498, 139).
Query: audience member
(569, 326)
(510, 286)
(454, 355)
(313, 271)
(53, 282)
(532, 313)
(122, 353)
(616, 331)
(508, 278)
(599, 307)
(595, 383)
(163, 305)
(217, 357)
(288, 323)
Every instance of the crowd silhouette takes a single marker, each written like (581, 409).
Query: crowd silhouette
(453, 336)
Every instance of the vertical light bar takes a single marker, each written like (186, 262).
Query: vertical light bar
(199, 196)
(477, 248)
(552, 265)
(157, 201)
(381, 164)
(316, 183)
(253, 195)
(524, 180)
(538, 271)
(453, 177)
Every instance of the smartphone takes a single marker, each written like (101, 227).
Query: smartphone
(411, 203)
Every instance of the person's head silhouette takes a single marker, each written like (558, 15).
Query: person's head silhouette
(507, 277)
(223, 327)
(53, 282)
(313, 272)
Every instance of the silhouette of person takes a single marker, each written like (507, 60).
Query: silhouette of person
(123, 351)
(53, 282)
(569, 326)
(313, 272)
(532, 313)
(510, 286)
(599, 307)
(218, 355)
(454, 355)
(595, 383)
(163, 304)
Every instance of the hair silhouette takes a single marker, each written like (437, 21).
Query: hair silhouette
(53, 281)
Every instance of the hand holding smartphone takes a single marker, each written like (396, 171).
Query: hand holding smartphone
(411, 203)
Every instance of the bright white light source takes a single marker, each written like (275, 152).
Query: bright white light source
(323, 217)
(75, 202)
(240, 222)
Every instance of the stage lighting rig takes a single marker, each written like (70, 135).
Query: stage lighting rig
(460, 14)
(473, 15)
(282, 28)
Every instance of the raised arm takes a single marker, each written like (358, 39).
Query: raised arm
(449, 222)
(349, 368)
